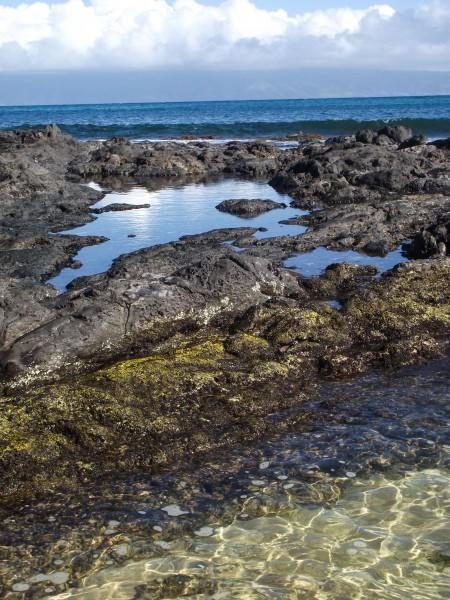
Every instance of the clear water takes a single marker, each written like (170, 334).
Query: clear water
(429, 115)
(354, 503)
(312, 264)
(376, 542)
(174, 211)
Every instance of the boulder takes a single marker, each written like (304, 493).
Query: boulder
(248, 208)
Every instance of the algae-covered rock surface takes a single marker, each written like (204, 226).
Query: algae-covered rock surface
(216, 386)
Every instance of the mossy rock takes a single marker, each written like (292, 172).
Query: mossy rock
(213, 388)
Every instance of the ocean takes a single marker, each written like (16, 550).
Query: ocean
(251, 119)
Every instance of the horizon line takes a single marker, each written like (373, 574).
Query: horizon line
(137, 103)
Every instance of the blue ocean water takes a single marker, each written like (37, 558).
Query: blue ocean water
(429, 115)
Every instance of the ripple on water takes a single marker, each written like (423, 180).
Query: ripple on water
(379, 540)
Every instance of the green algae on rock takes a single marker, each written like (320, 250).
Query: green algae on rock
(214, 387)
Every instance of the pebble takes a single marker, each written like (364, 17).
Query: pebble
(350, 474)
(59, 578)
(264, 465)
(288, 486)
(204, 532)
(20, 587)
(113, 524)
(174, 511)
(360, 544)
(58, 561)
(110, 531)
(157, 528)
(163, 545)
(244, 496)
(39, 578)
(282, 477)
(352, 551)
(52, 519)
(122, 549)
(258, 482)
(49, 590)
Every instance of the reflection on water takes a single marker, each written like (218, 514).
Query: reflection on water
(382, 539)
(312, 264)
(174, 211)
(190, 209)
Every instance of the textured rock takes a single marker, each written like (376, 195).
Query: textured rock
(360, 171)
(132, 413)
(248, 208)
(117, 207)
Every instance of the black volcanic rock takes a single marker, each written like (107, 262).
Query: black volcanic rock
(372, 167)
(248, 208)
(373, 197)
(118, 207)
(433, 240)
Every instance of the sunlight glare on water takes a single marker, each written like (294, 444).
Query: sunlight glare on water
(384, 539)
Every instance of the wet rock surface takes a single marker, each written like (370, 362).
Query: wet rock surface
(248, 208)
(117, 207)
(227, 376)
(194, 327)
(433, 240)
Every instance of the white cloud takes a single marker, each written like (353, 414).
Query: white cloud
(136, 34)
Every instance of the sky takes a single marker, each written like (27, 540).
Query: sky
(147, 37)
(292, 6)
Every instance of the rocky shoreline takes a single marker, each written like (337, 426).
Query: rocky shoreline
(101, 378)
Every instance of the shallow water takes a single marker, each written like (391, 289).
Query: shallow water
(353, 501)
(312, 264)
(174, 211)
(380, 540)
(190, 209)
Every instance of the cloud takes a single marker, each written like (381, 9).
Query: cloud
(236, 35)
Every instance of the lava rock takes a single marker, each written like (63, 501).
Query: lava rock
(248, 208)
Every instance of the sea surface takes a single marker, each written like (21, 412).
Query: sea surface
(429, 115)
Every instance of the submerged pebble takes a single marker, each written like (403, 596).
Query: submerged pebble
(122, 549)
(174, 511)
(20, 587)
(39, 578)
(204, 532)
(59, 578)
(259, 482)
